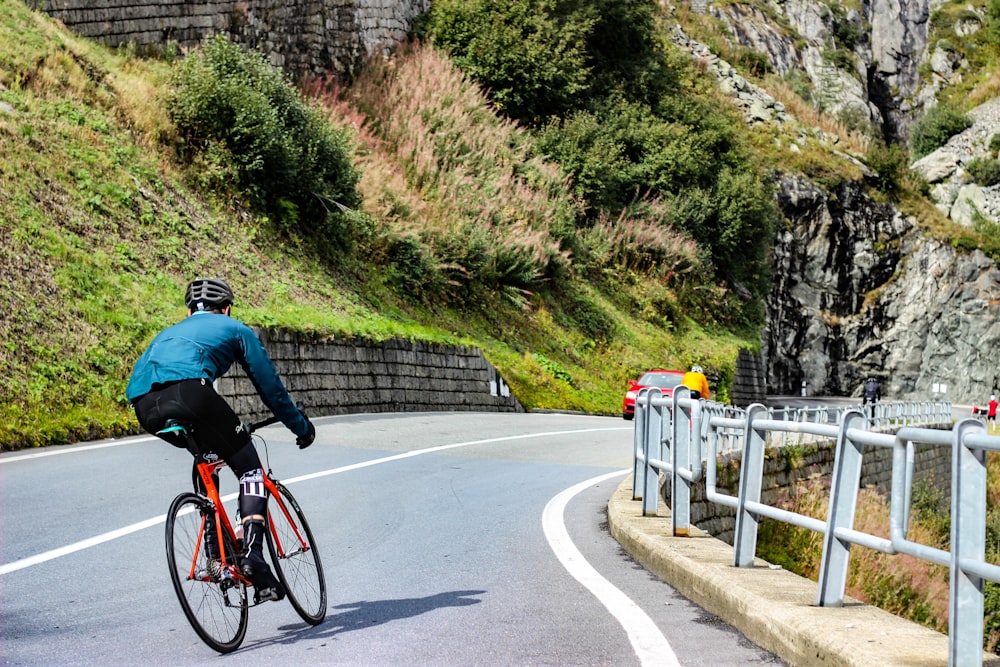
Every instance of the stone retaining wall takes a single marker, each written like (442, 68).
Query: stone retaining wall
(335, 377)
(792, 464)
(301, 36)
(749, 380)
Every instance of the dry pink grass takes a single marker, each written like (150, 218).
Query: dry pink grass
(437, 162)
(901, 584)
(382, 185)
(644, 246)
(436, 123)
(808, 115)
(904, 585)
(985, 91)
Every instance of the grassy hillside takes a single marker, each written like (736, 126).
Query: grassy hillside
(102, 223)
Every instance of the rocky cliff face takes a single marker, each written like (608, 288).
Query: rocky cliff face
(862, 64)
(858, 288)
(946, 170)
(835, 250)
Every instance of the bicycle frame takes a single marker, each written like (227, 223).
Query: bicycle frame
(273, 494)
(206, 471)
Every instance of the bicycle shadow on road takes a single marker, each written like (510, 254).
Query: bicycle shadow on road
(370, 613)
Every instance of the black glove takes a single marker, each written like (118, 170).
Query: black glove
(304, 441)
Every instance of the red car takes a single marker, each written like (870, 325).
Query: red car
(665, 380)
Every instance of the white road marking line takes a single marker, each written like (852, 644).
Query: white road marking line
(149, 523)
(651, 647)
(73, 449)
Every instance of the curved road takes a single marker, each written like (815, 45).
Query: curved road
(447, 538)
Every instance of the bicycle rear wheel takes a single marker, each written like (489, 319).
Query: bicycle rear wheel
(295, 557)
(215, 605)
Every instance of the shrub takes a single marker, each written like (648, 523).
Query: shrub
(286, 154)
(839, 58)
(625, 53)
(752, 61)
(800, 84)
(413, 269)
(848, 34)
(591, 318)
(984, 171)
(532, 63)
(594, 158)
(741, 228)
(544, 58)
(622, 150)
(890, 166)
(933, 130)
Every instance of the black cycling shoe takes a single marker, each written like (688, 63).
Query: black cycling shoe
(266, 586)
(255, 568)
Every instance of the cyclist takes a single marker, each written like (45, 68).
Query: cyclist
(173, 380)
(696, 381)
(872, 394)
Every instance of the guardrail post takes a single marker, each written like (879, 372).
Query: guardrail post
(968, 543)
(845, 482)
(638, 441)
(751, 480)
(653, 448)
(680, 457)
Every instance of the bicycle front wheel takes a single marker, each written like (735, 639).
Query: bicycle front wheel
(215, 605)
(295, 557)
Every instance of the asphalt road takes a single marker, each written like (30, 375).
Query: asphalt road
(447, 538)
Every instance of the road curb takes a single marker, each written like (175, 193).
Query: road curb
(774, 608)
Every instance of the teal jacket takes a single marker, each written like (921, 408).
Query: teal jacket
(205, 345)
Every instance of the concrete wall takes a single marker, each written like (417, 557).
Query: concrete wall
(346, 376)
(301, 36)
(791, 464)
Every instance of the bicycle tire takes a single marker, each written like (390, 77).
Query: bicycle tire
(217, 608)
(299, 569)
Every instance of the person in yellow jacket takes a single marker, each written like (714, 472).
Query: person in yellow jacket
(696, 381)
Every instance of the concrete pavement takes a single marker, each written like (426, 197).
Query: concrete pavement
(774, 608)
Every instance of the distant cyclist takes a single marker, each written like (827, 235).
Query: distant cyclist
(173, 379)
(696, 381)
(872, 391)
(872, 394)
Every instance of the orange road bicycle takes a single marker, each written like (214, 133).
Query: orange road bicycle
(213, 592)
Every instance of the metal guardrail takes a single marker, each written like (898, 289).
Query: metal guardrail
(675, 436)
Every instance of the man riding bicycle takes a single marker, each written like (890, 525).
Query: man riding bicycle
(173, 380)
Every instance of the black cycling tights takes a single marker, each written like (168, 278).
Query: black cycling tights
(216, 428)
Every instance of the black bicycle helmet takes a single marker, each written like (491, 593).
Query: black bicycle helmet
(208, 294)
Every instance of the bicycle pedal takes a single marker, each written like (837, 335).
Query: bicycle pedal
(272, 594)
